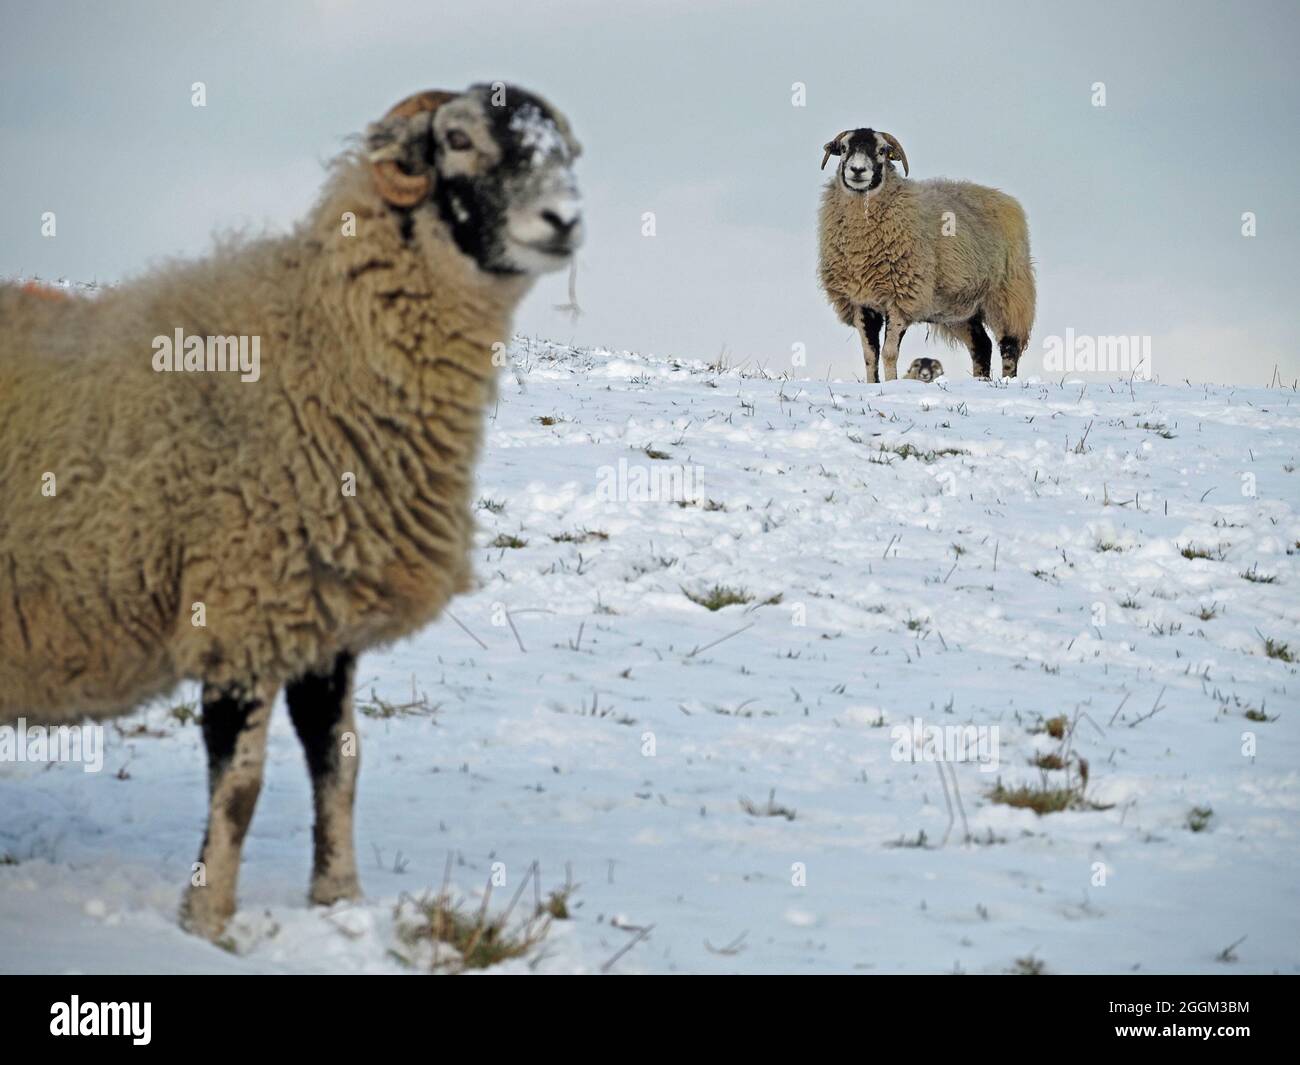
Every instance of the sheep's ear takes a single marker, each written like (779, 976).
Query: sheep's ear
(399, 149)
(834, 146)
(895, 150)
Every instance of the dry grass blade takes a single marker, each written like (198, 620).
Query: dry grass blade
(440, 934)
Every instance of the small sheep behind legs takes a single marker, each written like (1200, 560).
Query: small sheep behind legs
(924, 369)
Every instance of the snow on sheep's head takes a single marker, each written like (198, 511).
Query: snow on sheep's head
(495, 163)
(864, 156)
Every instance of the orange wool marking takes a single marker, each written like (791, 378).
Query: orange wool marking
(40, 291)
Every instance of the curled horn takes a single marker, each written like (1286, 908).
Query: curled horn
(395, 185)
(897, 152)
(832, 147)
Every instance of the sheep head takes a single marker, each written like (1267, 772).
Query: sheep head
(864, 156)
(494, 163)
(925, 369)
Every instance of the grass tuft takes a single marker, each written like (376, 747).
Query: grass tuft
(1045, 798)
(917, 842)
(582, 536)
(375, 707)
(771, 808)
(557, 903)
(719, 596)
(1276, 649)
(1041, 799)
(439, 929)
(596, 710)
(186, 713)
(911, 451)
(1056, 727)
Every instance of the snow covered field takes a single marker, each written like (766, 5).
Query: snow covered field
(1098, 576)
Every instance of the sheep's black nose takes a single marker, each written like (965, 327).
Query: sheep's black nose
(857, 171)
(562, 226)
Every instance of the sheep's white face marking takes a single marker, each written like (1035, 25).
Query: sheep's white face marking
(856, 170)
(505, 181)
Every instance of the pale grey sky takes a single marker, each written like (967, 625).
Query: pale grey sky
(684, 107)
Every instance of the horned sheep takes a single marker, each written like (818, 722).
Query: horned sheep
(254, 532)
(895, 252)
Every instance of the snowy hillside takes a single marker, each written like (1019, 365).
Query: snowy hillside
(1099, 577)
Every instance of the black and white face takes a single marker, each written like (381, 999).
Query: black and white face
(496, 165)
(504, 180)
(864, 155)
(926, 370)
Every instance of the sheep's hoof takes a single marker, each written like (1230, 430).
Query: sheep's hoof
(328, 890)
(202, 916)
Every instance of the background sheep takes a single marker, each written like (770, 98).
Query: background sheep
(162, 526)
(924, 369)
(895, 252)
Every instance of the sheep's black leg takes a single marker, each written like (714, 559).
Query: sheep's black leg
(981, 348)
(234, 731)
(320, 705)
(869, 325)
(1011, 348)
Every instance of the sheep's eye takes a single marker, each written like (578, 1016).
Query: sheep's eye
(458, 141)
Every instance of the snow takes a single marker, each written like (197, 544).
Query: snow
(969, 554)
(538, 132)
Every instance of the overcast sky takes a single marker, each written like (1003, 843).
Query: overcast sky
(685, 110)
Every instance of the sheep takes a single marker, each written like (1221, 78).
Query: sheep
(254, 534)
(896, 251)
(924, 369)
